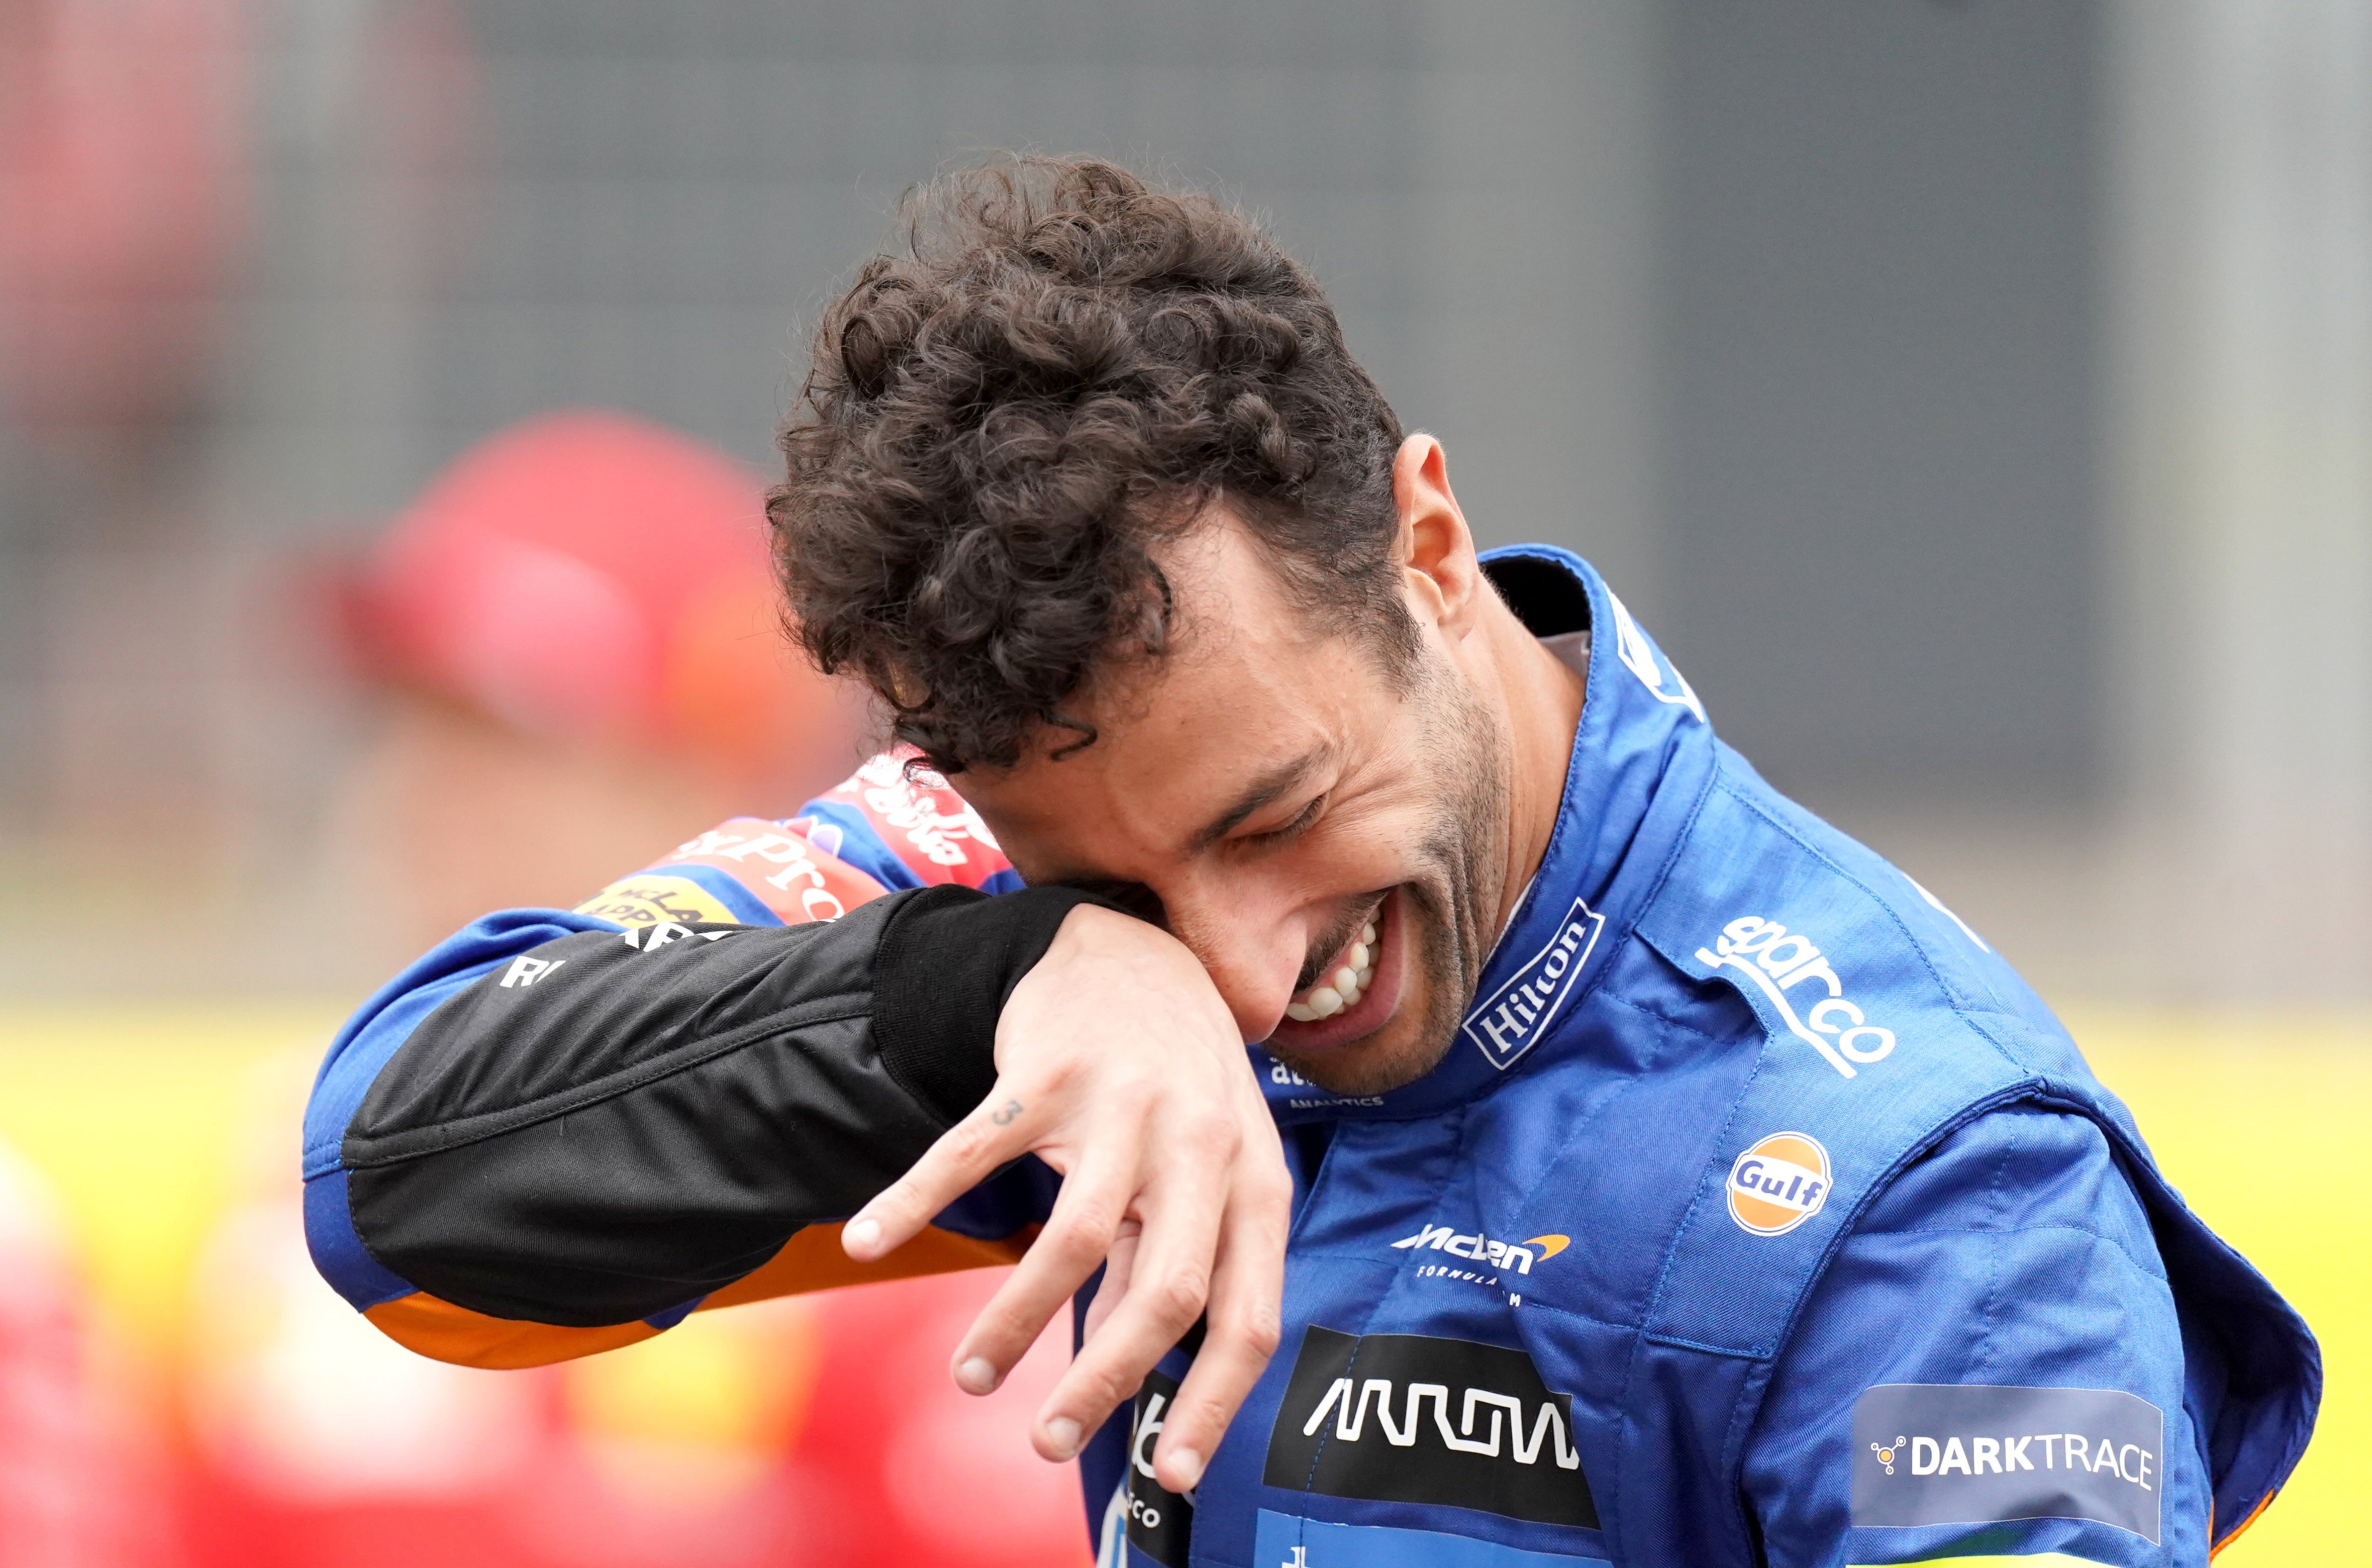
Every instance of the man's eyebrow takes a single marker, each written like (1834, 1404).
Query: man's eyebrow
(1259, 793)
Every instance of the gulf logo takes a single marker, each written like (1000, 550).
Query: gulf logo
(1779, 1183)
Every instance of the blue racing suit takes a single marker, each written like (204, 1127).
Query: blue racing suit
(1758, 1213)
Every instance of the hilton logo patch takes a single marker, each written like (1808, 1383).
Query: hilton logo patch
(1511, 1020)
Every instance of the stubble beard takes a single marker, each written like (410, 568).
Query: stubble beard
(1449, 910)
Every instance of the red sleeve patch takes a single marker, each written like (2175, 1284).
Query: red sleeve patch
(925, 822)
(785, 872)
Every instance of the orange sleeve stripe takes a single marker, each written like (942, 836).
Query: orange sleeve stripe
(811, 1259)
(443, 1332)
(2242, 1528)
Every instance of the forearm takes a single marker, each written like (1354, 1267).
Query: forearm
(607, 1127)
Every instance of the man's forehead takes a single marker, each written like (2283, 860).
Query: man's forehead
(1226, 589)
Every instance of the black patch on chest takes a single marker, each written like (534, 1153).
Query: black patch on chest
(1410, 1418)
(1161, 1522)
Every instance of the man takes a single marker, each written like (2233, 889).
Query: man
(1654, 1175)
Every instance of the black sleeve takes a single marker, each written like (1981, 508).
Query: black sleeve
(610, 1126)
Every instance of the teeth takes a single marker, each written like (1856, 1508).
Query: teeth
(1343, 987)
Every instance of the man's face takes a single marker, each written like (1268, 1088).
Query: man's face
(1269, 787)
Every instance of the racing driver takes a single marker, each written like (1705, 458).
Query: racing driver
(1479, 1123)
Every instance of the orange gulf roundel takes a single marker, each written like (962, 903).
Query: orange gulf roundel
(1779, 1183)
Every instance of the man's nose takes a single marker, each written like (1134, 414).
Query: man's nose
(1253, 956)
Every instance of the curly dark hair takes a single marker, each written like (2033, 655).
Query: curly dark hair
(1001, 426)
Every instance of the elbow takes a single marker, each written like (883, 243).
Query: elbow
(422, 1323)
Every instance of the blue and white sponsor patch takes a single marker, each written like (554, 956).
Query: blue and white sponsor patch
(1283, 1541)
(1511, 1020)
(1976, 1454)
(1644, 659)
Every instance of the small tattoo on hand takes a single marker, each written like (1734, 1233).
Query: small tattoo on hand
(1003, 1117)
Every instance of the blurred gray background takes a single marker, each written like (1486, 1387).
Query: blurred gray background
(1975, 398)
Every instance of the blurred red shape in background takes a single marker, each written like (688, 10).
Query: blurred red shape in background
(125, 197)
(590, 575)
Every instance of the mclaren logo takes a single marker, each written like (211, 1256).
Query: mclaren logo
(1411, 1418)
(1486, 1250)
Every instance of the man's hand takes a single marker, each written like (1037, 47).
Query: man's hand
(1119, 1065)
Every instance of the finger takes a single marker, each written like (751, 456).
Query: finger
(998, 1130)
(1114, 1284)
(1169, 1280)
(1078, 1236)
(1243, 1326)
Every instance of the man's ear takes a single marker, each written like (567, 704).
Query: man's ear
(1435, 550)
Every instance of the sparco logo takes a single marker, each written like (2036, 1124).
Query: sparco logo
(1511, 1020)
(1409, 1418)
(1777, 961)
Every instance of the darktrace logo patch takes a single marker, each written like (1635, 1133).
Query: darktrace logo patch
(1952, 1454)
(1411, 1418)
(1511, 1020)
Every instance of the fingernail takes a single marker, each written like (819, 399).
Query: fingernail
(1187, 1466)
(1062, 1434)
(976, 1375)
(859, 1238)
